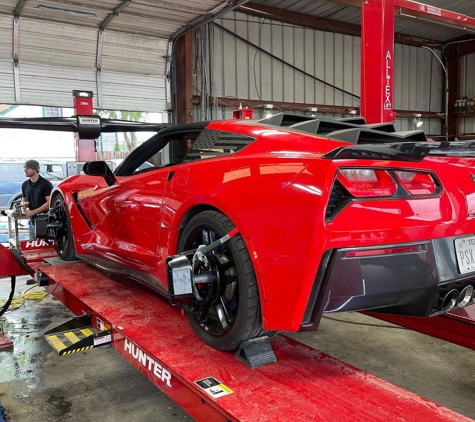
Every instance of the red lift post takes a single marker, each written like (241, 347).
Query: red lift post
(85, 148)
(377, 53)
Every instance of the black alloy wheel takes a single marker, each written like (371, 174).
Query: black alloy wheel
(230, 310)
(63, 235)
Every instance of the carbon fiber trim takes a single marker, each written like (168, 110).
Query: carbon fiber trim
(317, 284)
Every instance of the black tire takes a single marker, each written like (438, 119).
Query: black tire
(238, 295)
(63, 237)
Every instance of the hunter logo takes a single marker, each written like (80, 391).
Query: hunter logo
(148, 362)
(89, 121)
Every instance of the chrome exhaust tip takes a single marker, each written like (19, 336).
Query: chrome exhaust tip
(465, 296)
(450, 300)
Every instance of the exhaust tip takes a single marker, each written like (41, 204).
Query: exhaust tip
(465, 296)
(450, 300)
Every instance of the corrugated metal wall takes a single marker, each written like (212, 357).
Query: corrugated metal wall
(467, 89)
(240, 71)
(418, 86)
(7, 91)
(55, 58)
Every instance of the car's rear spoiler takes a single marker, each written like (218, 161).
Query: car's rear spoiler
(87, 127)
(403, 151)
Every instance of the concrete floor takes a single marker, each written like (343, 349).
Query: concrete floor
(37, 385)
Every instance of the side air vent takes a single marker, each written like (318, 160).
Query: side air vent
(213, 143)
(336, 202)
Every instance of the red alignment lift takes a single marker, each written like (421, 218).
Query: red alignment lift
(304, 384)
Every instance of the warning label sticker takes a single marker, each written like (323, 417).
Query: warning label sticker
(213, 387)
(102, 340)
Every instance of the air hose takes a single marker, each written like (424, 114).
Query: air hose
(9, 301)
(20, 261)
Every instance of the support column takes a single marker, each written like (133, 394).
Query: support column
(377, 60)
(455, 52)
(85, 148)
(184, 78)
(453, 70)
(16, 54)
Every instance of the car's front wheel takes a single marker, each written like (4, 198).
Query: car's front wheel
(230, 310)
(63, 234)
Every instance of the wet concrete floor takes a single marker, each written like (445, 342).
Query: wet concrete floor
(99, 385)
(96, 385)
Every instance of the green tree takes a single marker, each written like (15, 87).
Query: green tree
(129, 137)
(116, 145)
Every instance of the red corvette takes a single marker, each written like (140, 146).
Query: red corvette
(257, 226)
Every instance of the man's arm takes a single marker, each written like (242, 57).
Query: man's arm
(43, 208)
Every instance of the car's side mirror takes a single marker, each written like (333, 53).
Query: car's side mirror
(99, 168)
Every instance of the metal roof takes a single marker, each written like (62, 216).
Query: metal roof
(403, 25)
(154, 18)
(162, 18)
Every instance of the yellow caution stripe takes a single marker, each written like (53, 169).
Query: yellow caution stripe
(56, 343)
(76, 350)
(87, 332)
(73, 338)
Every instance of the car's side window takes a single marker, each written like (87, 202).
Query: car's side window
(213, 143)
(176, 149)
(158, 152)
(172, 153)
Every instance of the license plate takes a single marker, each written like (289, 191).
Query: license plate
(465, 252)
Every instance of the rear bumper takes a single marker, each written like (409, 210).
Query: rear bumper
(406, 279)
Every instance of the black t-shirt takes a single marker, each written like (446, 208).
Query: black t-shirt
(36, 193)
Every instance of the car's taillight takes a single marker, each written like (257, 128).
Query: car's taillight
(363, 183)
(416, 183)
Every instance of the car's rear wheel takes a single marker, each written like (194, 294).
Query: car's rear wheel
(230, 311)
(63, 234)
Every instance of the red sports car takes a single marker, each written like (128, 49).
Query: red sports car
(258, 226)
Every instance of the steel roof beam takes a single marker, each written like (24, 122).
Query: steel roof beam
(433, 14)
(115, 12)
(19, 7)
(327, 25)
(226, 7)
